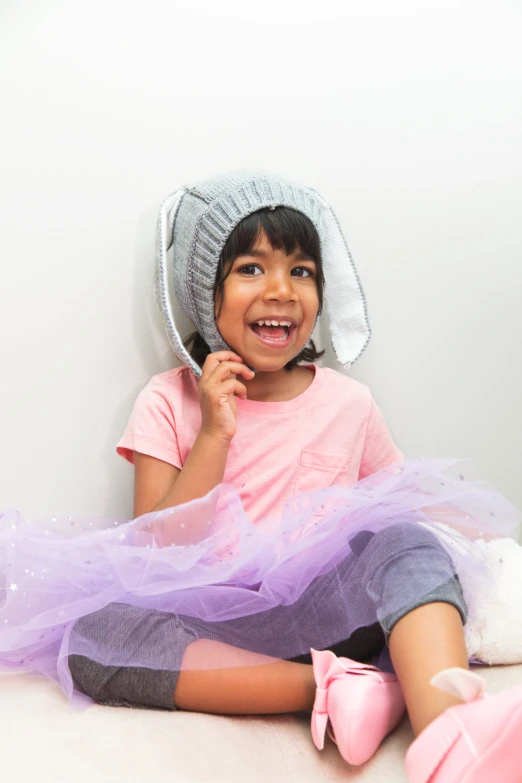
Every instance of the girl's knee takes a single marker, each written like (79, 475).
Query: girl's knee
(408, 534)
(396, 539)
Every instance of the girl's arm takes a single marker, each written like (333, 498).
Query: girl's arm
(158, 485)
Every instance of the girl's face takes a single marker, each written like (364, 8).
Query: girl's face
(268, 285)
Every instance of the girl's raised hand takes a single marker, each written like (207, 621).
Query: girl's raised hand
(217, 389)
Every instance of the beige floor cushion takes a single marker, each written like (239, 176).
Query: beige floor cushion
(44, 741)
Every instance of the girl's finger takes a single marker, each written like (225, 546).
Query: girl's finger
(231, 386)
(223, 369)
(240, 390)
(213, 360)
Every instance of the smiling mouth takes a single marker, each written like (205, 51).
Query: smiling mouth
(273, 335)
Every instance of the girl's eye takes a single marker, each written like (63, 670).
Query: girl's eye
(253, 270)
(304, 270)
(249, 270)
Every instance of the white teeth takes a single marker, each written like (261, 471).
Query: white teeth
(274, 323)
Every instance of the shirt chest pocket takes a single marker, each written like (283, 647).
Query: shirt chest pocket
(319, 470)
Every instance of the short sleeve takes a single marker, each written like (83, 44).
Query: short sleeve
(151, 428)
(379, 447)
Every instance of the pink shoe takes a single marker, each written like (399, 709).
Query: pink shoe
(476, 742)
(358, 705)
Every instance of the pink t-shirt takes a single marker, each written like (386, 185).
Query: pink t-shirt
(332, 433)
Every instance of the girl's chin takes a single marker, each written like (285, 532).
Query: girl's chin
(262, 363)
(258, 366)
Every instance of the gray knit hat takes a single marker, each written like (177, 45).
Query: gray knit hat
(195, 222)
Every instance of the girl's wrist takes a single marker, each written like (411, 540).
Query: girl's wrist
(213, 439)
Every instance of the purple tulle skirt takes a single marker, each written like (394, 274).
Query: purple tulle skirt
(275, 588)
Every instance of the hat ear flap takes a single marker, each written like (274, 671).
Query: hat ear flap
(164, 239)
(345, 302)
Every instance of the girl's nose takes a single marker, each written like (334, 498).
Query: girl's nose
(280, 286)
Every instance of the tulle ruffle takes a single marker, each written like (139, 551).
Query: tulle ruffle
(205, 560)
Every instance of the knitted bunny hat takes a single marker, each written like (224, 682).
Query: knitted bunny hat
(195, 222)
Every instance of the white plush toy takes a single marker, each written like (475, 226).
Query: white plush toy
(494, 628)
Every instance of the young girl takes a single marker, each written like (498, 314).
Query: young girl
(280, 541)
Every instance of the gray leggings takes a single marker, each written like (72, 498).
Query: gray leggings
(396, 555)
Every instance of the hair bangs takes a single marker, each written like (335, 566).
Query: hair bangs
(286, 229)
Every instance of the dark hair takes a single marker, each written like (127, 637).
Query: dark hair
(286, 229)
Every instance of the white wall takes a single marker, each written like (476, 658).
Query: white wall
(406, 115)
